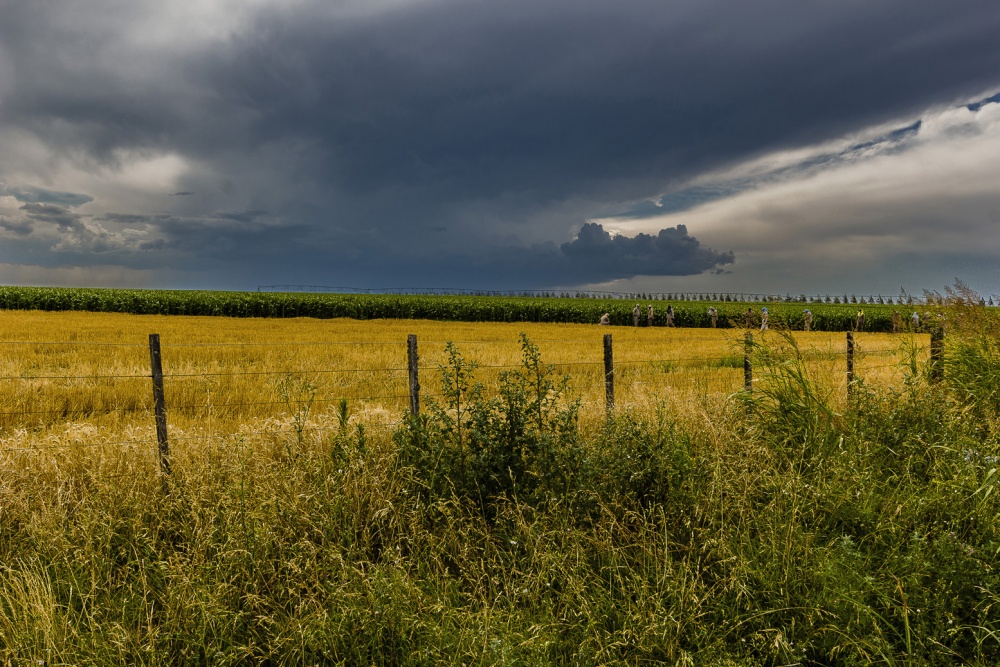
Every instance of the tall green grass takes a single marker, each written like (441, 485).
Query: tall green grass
(774, 530)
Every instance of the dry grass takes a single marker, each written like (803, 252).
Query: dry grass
(84, 377)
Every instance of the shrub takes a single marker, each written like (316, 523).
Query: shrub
(522, 445)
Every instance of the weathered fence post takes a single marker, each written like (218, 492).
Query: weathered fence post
(156, 367)
(937, 354)
(747, 368)
(411, 362)
(609, 375)
(850, 364)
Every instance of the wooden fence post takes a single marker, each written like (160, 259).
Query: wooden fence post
(411, 362)
(747, 368)
(609, 376)
(156, 366)
(850, 364)
(937, 354)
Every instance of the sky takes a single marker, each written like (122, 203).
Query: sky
(635, 145)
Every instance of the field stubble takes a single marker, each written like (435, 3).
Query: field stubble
(83, 378)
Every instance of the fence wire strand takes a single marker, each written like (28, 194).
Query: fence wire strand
(728, 338)
(327, 371)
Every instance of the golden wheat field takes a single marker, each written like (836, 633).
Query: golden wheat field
(78, 380)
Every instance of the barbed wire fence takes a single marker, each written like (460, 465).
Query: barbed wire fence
(609, 372)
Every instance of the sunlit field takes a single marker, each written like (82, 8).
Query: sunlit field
(307, 520)
(84, 378)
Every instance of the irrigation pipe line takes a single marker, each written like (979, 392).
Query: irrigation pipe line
(765, 297)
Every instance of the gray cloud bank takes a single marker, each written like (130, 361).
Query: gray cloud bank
(596, 255)
(415, 142)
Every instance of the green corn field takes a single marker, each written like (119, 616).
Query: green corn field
(827, 317)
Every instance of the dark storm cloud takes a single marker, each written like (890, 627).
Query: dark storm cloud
(16, 227)
(594, 256)
(430, 130)
(226, 239)
(598, 255)
(43, 196)
(475, 100)
(129, 218)
(56, 215)
(222, 241)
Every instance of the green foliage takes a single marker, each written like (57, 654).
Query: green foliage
(434, 307)
(972, 352)
(793, 408)
(521, 445)
(298, 396)
(649, 464)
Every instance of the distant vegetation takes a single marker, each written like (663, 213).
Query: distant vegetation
(784, 312)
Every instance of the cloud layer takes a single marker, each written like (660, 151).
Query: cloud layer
(227, 144)
(911, 209)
